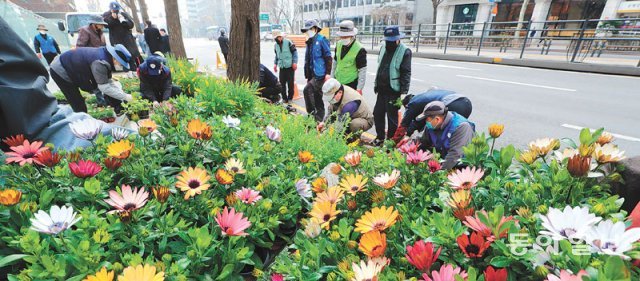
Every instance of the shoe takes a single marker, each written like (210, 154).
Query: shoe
(377, 142)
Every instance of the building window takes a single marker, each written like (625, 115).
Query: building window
(339, 4)
(510, 11)
(377, 1)
(345, 3)
(574, 10)
(353, 3)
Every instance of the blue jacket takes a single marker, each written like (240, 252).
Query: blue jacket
(78, 62)
(317, 62)
(46, 43)
(417, 104)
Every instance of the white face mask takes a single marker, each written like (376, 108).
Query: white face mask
(311, 33)
(345, 42)
(43, 32)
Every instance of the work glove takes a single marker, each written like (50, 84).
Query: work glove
(400, 133)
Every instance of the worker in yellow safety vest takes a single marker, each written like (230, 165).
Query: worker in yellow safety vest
(351, 58)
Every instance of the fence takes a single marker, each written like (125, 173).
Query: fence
(571, 40)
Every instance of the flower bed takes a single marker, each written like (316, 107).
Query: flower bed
(219, 186)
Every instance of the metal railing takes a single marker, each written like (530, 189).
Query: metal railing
(575, 40)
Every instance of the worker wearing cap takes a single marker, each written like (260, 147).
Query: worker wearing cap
(156, 84)
(120, 24)
(393, 79)
(92, 35)
(317, 68)
(269, 87)
(350, 67)
(45, 45)
(414, 105)
(89, 69)
(347, 102)
(287, 61)
(445, 131)
(223, 41)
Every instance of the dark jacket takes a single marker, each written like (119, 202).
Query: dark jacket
(152, 37)
(267, 78)
(416, 106)
(120, 32)
(155, 88)
(459, 132)
(165, 47)
(223, 40)
(383, 84)
(88, 37)
(84, 65)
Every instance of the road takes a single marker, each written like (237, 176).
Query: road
(531, 103)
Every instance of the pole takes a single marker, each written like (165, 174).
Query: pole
(418, 39)
(526, 37)
(484, 28)
(446, 39)
(373, 36)
(575, 52)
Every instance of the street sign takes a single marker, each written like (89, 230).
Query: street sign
(264, 16)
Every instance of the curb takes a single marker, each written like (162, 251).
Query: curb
(544, 64)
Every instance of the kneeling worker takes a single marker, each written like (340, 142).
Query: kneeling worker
(446, 131)
(414, 105)
(156, 84)
(90, 69)
(347, 102)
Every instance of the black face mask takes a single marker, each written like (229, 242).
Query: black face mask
(391, 45)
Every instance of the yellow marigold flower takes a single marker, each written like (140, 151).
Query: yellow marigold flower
(199, 130)
(161, 193)
(379, 218)
(120, 150)
(495, 130)
(373, 243)
(10, 197)
(319, 184)
(377, 196)
(141, 273)
(102, 275)
(148, 124)
(305, 156)
(324, 213)
(353, 184)
(193, 181)
(333, 194)
(224, 177)
(528, 157)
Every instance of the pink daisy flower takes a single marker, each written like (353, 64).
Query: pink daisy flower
(130, 200)
(248, 196)
(232, 223)
(465, 178)
(418, 157)
(25, 153)
(84, 168)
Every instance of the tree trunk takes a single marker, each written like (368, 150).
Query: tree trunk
(435, 13)
(523, 10)
(244, 45)
(134, 14)
(174, 28)
(144, 11)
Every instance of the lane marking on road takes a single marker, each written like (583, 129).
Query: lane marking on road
(371, 73)
(419, 80)
(619, 136)
(447, 66)
(517, 83)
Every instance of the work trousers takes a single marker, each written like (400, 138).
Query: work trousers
(72, 94)
(313, 98)
(386, 108)
(286, 80)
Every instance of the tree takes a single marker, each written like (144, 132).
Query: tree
(435, 4)
(174, 28)
(244, 41)
(134, 13)
(143, 10)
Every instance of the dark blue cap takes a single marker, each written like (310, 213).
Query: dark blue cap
(392, 33)
(115, 6)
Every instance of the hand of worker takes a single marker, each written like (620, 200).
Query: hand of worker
(359, 91)
(327, 77)
(156, 104)
(39, 55)
(402, 142)
(320, 127)
(275, 68)
(128, 97)
(294, 66)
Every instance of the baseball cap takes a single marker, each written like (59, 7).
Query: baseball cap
(432, 109)
(154, 65)
(330, 87)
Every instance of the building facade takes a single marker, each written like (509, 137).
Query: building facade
(369, 13)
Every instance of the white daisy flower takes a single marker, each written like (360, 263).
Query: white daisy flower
(56, 221)
(119, 133)
(231, 122)
(612, 238)
(570, 223)
(86, 129)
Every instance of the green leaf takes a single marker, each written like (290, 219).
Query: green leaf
(226, 271)
(501, 261)
(8, 260)
(615, 270)
(585, 136)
